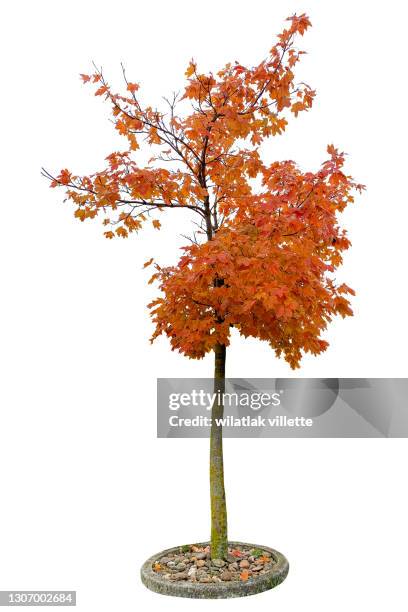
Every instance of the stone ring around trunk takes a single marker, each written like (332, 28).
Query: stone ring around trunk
(215, 590)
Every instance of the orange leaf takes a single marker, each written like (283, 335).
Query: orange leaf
(154, 137)
(102, 89)
(80, 214)
(132, 87)
(122, 232)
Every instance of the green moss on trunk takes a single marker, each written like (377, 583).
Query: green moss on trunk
(219, 536)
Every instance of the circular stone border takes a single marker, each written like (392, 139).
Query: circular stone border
(215, 590)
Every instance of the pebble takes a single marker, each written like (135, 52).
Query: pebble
(218, 562)
(181, 566)
(204, 578)
(201, 574)
(197, 566)
(201, 555)
(180, 576)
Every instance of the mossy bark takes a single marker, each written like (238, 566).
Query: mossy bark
(219, 537)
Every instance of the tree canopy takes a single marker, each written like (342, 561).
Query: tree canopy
(268, 238)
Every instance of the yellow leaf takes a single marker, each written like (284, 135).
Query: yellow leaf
(190, 70)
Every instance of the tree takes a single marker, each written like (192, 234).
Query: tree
(268, 237)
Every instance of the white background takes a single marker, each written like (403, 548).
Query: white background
(87, 491)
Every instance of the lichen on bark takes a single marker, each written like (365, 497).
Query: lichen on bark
(219, 531)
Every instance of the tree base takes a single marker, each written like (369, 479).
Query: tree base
(159, 581)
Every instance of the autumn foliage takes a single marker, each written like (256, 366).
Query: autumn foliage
(269, 242)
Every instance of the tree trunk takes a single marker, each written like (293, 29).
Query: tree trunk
(219, 538)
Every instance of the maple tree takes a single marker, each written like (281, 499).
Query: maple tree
(269, 236)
